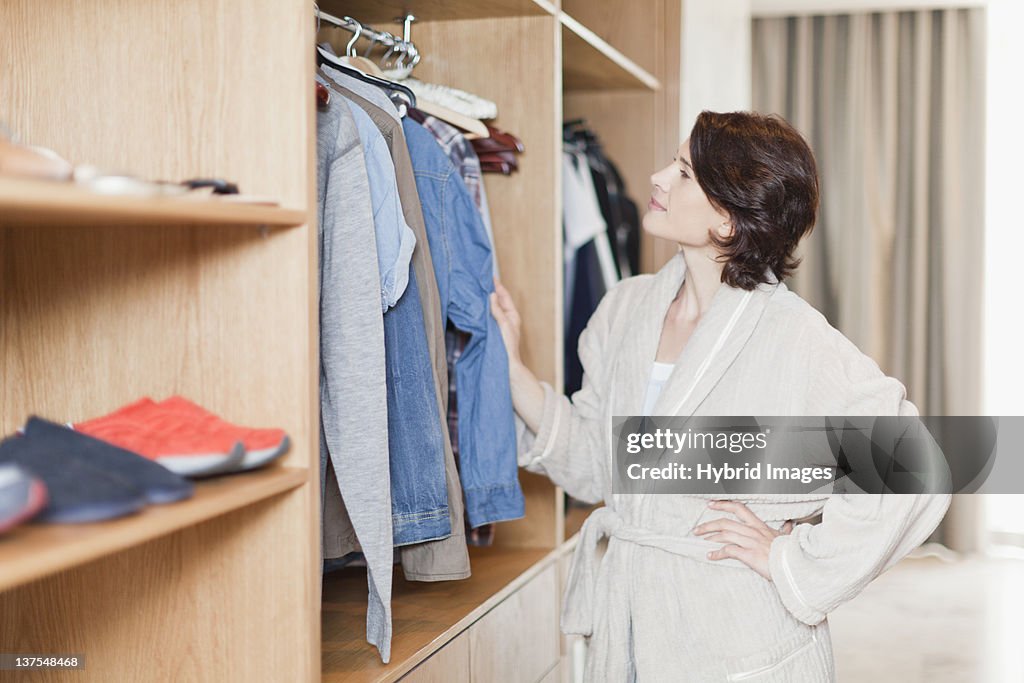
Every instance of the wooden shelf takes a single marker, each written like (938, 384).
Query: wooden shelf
(425, 615)
(42, 202)
(33, 551)
(590, 63)
(382, 13)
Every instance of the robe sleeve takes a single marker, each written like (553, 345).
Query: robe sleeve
(571, 440)
(817, 567)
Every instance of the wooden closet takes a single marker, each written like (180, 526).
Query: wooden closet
(107, 299)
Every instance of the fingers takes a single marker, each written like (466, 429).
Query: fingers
(496, 308)
(735, 538)
(503, 294)
(741, 511)
(503, 301)
(728, 525)
(736, 552)
(788, 527)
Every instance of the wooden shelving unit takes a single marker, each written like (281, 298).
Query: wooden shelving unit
(108, 299)
(122, 297)
(589, 63)
(541, 66)
(35, 551)
(55, 203)
(383, 12)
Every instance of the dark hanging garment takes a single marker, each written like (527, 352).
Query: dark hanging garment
(624, 233)
(588, 288)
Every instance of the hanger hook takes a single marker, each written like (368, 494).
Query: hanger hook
(403, 52)
(373, 43)
(388, 38)
(350, 49)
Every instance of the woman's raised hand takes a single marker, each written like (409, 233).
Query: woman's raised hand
(749, 539)
(504, 311)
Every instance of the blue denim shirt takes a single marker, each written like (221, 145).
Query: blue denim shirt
(419, 494)
(395, 239)
(463, 266)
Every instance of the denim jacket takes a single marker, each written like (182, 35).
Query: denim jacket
(462, 258)
(419, 498)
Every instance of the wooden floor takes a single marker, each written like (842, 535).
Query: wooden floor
(935, 621)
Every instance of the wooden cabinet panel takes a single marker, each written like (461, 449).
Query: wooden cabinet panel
(518, 641)
(449, 665)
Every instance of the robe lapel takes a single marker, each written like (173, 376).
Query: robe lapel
(697, 371)
(640, 336)
(719, 337)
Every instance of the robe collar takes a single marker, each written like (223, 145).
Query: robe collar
(717, 340)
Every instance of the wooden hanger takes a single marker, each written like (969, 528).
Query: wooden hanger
(474, 128)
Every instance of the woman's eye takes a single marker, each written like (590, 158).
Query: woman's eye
(684, 173)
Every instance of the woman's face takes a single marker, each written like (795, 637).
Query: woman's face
(678, 209)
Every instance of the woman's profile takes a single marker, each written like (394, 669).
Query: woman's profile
(692, 589)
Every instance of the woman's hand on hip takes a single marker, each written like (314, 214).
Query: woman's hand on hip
(504, 311)
(748, 540)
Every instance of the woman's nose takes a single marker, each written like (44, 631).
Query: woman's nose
(658, 178)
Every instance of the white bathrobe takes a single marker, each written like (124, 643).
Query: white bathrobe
(653, 607)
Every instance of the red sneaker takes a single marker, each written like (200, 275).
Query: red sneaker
(262, 446)
(168, 438)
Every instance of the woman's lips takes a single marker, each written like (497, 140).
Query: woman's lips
(653, 205)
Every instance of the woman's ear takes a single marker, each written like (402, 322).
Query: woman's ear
(724, 229)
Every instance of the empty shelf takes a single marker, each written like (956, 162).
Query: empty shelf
(590, 63)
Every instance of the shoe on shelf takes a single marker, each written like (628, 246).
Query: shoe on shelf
(158, 483)
(168, 438)
(262, 446)
(22, 495)
(78, 493)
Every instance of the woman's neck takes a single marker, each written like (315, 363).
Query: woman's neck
(703, 278)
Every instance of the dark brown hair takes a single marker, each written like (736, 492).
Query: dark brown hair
(760, 171)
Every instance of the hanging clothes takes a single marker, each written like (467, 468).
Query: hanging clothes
(589, 264)
(353, 385)
(447, 558)
(419, 500)
(619, 211)
(595, 207)
(463, 266)
(463, 157)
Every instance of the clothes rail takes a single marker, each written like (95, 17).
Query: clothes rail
(403, 45)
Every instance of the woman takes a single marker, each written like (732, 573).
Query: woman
(692, 589)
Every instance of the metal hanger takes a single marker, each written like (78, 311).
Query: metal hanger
(395, 90)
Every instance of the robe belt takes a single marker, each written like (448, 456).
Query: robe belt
(605, 522)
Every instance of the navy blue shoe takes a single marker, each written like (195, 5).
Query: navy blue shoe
(158, 483)
(79, 493)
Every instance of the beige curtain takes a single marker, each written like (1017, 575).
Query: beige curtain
(893, 105)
